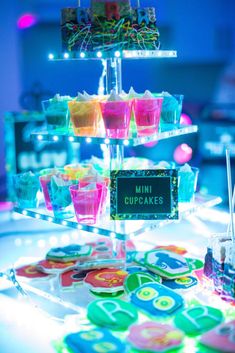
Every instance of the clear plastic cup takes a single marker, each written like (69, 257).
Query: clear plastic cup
(57, 115)
(171, 110)
(45, 179)
(87, 202)
(26, 187)
(116, 116)
(85, 117)
(59, 194)
(187, 184)
(147, 115)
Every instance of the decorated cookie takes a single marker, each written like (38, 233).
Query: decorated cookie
(134, 269)
(181, 283)
(198, 319)
(166, 263)
(113, 313)
(106, 280)
(176, 249)
(71, 279)
(99, 340)
(156, 299)
(31, 272)
(48, 266)
(102, 248)
(69, 253)
(195, 264)
(155, 337)
(136, 280)
(222, 337)
(107, 295)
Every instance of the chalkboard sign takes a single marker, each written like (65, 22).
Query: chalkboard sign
(23, 154)
(144, 194)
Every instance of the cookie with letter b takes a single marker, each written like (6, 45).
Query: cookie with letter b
(99, 340)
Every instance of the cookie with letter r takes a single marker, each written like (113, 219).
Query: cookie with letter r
(98, 340)
(196, 320)
(155, 337)
(156, 299)
(136, 280)
(221, 338)
(167, 264)
(195, 264)
(112, 313)
(69, 253)
(105, 280)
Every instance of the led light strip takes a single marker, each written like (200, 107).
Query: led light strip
(70, 224)
(45, 136)
(125, 54)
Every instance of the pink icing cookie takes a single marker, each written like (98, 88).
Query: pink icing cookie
(222, 337)
(53, 267)
(106, 280)
(69, 280)
(155, 337)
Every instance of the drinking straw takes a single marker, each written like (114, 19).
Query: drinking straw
(233, 205)
(229, 177)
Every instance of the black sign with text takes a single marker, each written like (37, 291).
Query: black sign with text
(144, 194)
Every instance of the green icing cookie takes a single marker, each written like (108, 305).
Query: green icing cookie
(112, 313)
(195, 264)
(198, 319)
(107, 295)
(137, 279)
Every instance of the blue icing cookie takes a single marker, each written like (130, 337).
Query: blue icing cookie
(94, 341)
(167, 264)
(69, 252)
(157, 299)
(181, 283)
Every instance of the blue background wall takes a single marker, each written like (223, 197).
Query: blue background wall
(202, 32)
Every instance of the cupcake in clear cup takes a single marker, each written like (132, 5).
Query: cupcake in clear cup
(27, 187)
(45, 179)
(56, 113)
(87, 198)
(84, 115)
(116, 114)
(187, 183)
(78, 170)
(147, 111)
(171, 109)
(58, 190)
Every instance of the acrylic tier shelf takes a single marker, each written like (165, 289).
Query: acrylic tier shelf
(122, 229)
(132, 141)
(122, 54)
